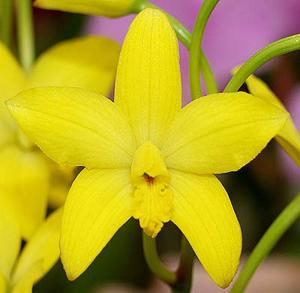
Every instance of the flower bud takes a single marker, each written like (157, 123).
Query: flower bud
(109, 8)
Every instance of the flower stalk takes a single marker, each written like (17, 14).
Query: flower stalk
(154, 263)
(179, 281)
(5, 21)
(275, 49)
(25, 33)
(195, 48)
(281, 224)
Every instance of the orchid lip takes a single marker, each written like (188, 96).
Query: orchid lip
(153, 198)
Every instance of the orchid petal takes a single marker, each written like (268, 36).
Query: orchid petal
(288, 136)
(221, 133)
(110, 8)
(10, 243)
(203, 212)
(74, 127)
(98, 204)
(12, 78)
(11, 82)
(24, 177)
(39, 254)
(148, 85)
(86, 62)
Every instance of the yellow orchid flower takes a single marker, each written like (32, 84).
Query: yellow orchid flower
(110, 8)
(11, 240)
(146, 157)
(24, 180)
(288, 137)
(25, 173)
(38, 255)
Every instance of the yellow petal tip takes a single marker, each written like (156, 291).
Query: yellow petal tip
(69, 268)
(110, 8)
(36, 3)
(39, 4)
(225, 280)
(228, 276)
(71, 276)
(152, 13)
(73, 266)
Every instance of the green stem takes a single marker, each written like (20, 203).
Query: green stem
(208, 75)
(264, 55)
(25, 33)
(5, 21)
(186, 39)
(195, 49)
(154, 263)
(282, 223)
(185, 268)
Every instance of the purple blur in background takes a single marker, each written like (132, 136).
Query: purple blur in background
(236, 29)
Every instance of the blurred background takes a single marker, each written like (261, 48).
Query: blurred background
(259, 191)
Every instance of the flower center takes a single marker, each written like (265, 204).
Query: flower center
(152, 204)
